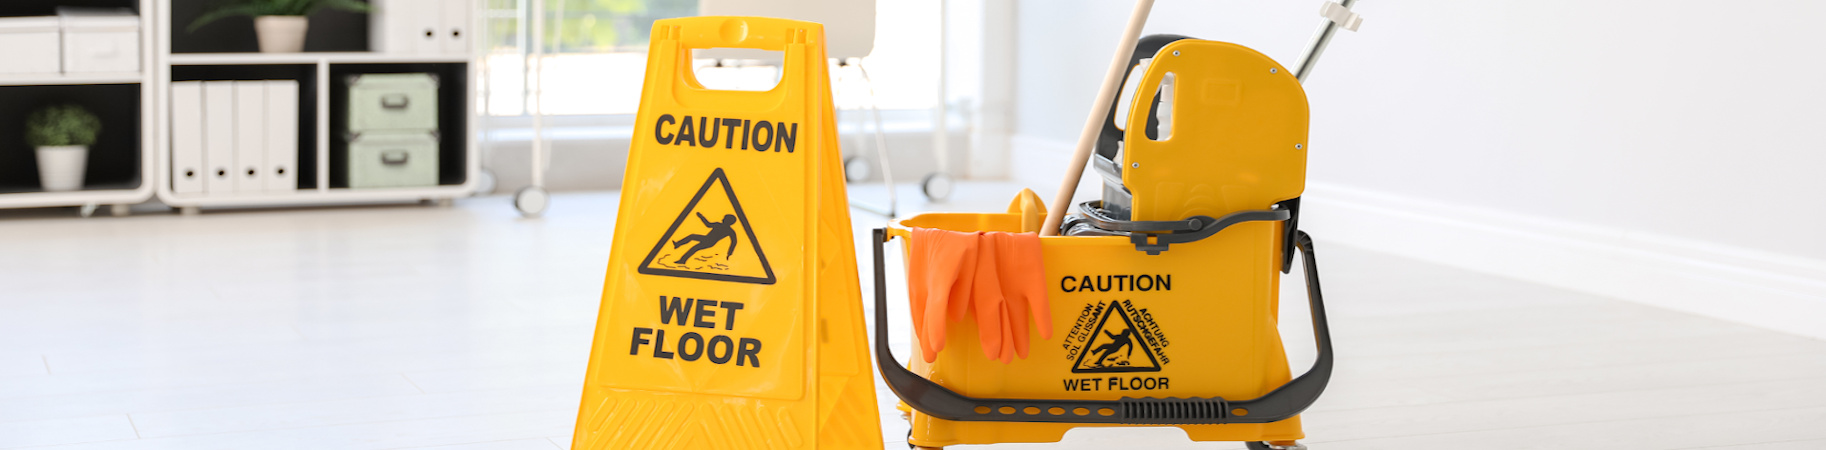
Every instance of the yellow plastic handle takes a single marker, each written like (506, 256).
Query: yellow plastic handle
(669, 64)
(760, 33)
(1145, 90)
(1031, 209)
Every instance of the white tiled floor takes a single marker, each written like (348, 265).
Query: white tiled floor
(468, 328)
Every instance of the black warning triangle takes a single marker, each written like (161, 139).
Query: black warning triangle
(1115, 345)
(711, 248)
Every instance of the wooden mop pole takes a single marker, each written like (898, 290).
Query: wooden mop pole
(1106, 98)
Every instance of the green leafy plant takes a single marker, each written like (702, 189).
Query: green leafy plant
(66, 124)
(256, 8)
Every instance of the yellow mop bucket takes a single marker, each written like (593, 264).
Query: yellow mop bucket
(731, 312)
(1164, 299)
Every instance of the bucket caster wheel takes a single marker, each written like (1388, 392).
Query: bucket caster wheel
(856, 169)
(936, 186)
(1258, 445)
(910, 445)
(531, 201)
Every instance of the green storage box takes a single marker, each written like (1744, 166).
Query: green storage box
(383, 159)
(392, 101)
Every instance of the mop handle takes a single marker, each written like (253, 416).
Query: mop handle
(1106, 98)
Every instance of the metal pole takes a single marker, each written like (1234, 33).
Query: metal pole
(941, 133)
(535, 69)
(1317, 47)
(881, 141)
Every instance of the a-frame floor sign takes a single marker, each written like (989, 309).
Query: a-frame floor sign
(731, 311)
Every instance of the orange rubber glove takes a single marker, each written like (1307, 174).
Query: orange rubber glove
(919, 260)
(998, 277)
(1021, 270)
(949, 271)
(986, 298)
(1009, 338)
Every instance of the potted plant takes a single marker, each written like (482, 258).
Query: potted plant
(62, 134)
(280, 24)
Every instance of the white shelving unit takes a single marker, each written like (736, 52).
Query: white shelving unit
(97, 194)
(322, 193)
(220, 59)
(71, 78)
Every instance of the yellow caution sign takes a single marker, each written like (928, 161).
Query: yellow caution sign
(731, 313)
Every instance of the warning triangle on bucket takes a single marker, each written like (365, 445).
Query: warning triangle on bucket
(1116, 346)
(710, 240)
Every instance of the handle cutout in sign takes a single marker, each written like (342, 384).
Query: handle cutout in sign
(736, 69)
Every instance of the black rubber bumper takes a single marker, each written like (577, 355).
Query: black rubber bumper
(937, 401)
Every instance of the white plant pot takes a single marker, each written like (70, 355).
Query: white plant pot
(60, 167)
(281, 34)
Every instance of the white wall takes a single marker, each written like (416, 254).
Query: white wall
(1661, 151)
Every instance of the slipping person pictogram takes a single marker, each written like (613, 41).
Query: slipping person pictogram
(1115, 351)
(1126, 340)
(718, 232)
(717, 251)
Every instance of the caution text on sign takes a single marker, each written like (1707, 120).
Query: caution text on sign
(706, 132)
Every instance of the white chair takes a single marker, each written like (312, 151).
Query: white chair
(849, 35)
(849, 25)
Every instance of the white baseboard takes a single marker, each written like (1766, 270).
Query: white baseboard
(1753, 287)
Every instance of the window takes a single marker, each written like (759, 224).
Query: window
(596, 59)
